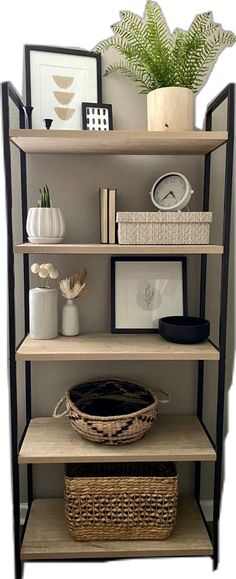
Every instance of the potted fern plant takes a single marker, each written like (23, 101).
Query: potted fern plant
(170, 68)
(45, 224)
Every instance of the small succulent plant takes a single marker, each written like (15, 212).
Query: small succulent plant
(46, 272)
(74, 286)
(45, 200)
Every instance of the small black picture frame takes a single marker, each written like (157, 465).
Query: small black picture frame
(102, 121)
(32, 80)
(118, 295)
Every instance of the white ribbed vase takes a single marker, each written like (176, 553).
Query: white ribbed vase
(43, 313)
(70, 319)
(45, 225)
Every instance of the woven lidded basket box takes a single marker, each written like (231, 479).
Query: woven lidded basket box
(121, 501)
(163, 228)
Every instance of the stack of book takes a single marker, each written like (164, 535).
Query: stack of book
(107, 203)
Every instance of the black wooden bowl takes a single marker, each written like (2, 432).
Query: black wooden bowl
(184, 329)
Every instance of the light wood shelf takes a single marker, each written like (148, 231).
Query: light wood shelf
(118, 142)
(115, 249)
(47, 537)
(173, 437)
(113, 347)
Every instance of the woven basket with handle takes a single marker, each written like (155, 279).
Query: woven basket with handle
(122, 501)
(111, 411)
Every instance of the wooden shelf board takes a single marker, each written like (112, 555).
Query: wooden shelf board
(118, 142)
(113, 347)
(47, 537)
(173, 437)
(106, 249)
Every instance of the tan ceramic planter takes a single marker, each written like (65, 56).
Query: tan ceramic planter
(170, 108)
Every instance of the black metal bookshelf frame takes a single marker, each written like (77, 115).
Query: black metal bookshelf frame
(10, 97)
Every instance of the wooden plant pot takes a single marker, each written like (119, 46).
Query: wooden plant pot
(170, 108)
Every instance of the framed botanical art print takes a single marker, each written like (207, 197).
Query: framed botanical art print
(145, 289)
(58, 80)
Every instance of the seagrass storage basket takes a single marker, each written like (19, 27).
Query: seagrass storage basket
(111, 411)
(161, 228)
(121, 501)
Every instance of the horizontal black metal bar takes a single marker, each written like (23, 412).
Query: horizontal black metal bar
(23, 435)
(213, 344)
(207, 433)
(205, 521)
(25, 523)
(21, 342)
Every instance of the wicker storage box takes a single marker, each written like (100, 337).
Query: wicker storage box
(124, 501)
(160, 228)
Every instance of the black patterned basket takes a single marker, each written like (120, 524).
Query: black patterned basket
(111, 411)
(121, 501)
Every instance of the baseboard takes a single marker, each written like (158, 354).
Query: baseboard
(207, 507)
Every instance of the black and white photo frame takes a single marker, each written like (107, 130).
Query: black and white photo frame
(97, 117)
(145, 289)
(58, 80)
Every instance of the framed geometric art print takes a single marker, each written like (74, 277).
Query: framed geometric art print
(97, 117)
(58, 80)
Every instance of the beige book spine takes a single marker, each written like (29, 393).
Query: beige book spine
(112, 215)
(103, 211)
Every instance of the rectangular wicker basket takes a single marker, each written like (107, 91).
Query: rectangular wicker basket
(163, 228)
(124, 501)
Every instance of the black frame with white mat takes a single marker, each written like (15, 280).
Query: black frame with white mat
(58, 58)
(97, 117)
(131, 282)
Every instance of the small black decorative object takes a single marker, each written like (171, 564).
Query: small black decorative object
(184, 329)
(97, 117)
(48, 123)
(28, 115)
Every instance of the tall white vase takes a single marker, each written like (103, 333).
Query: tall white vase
(70, 319)
(43, 313)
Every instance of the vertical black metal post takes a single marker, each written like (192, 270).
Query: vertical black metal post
(202, 305)
(230, 95)
(11, 330)
(24, 209)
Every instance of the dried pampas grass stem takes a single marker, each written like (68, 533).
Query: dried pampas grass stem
(74, 286)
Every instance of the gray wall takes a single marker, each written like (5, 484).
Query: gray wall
(74, 182)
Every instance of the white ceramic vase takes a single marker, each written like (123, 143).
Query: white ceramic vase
(70, 319)
(43, 313)
(45, 225)
(170, 108)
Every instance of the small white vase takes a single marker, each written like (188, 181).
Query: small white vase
(43, 313)
(45, 225)
(70, 319)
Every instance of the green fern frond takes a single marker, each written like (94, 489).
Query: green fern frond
(105, 44)
(154, 58)
(133, 72)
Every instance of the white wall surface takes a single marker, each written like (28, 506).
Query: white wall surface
(81, 24)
